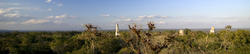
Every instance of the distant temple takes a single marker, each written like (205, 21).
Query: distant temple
(117, 30)
(181, 32)
(212, 30)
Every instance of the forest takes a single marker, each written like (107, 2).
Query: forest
(132, 41)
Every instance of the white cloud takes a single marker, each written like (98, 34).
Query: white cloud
(48, 1)
(139, 18)
(21, 8)
(122, 16)
(11, 23)
(50, 9)
(60, 16)
(14, 11)
(2, 11)
(50, 17)
(128, 19)
(153, 16)
(160, 22)
(105, 15)
(123, 20)
(12, 15)
(35, 21)
(9, 12)
(9, 4)
(57, 21)
(60, 5)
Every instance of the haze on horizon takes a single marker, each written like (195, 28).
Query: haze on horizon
(166, 14)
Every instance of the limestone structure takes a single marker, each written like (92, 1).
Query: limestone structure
(181, 32)
(117, 30)
(212, 30)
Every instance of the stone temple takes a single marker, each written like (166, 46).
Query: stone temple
(212, 30)
(117, 30)
(181, 32)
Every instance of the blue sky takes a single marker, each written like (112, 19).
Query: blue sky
(166, 14)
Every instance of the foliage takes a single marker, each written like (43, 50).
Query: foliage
(160, 42)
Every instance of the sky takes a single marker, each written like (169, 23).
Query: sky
(166, 14)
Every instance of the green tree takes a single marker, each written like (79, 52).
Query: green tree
(228, 27)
